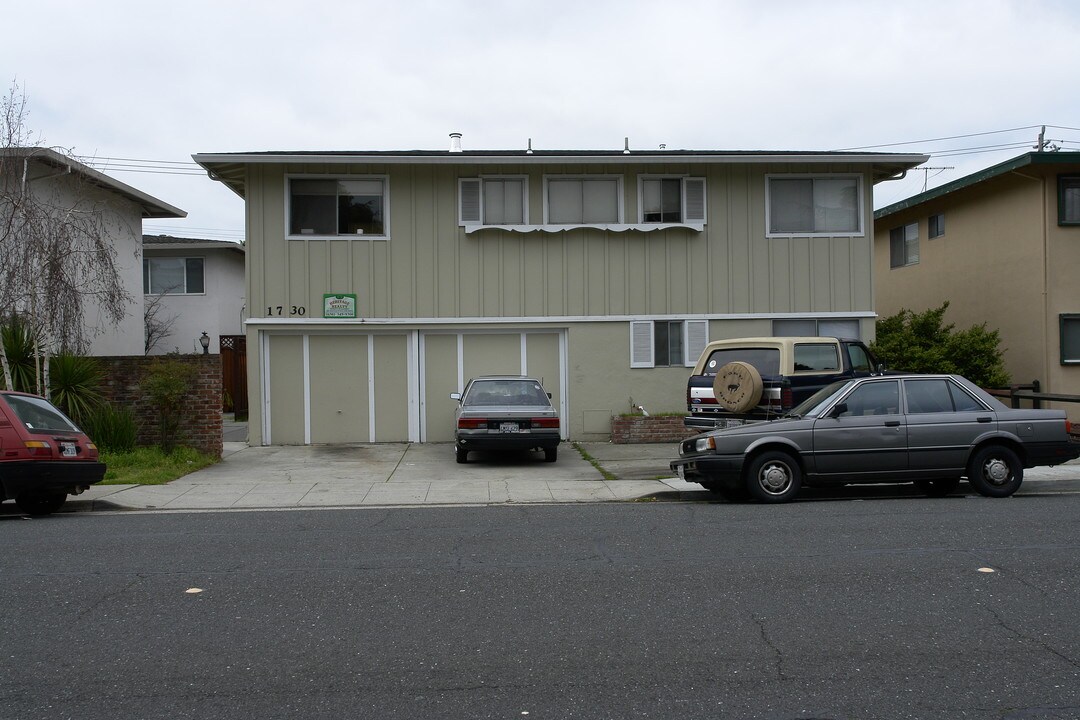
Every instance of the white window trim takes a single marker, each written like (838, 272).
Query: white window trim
(619, 197)
(648, 327)
(289, 177)
(185, 258)
(683, 178)
(479, 225)
(861, 203)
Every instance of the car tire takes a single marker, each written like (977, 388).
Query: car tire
(773, 477)
(995, 471)
(461, 454)
(40, 503)
(938, 487)
(551, 454)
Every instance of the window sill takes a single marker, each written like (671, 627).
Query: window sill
(611, 227)
(358, 236)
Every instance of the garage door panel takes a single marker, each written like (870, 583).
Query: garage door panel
(391, 388)
(440, 379)
(286, 386)
(340, 407)
(542, 359)
(491, 354)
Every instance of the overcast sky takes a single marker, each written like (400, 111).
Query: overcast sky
(161, 81)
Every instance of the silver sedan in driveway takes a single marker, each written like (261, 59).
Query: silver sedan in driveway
(927, 429)
(505, 412)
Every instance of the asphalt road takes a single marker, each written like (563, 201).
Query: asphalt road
(872, 608)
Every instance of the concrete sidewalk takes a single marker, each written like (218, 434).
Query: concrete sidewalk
(398, 474)
(427, 474)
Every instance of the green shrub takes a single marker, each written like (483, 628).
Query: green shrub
(923, 343)
(168, 384)
(111, 428)
(74, 384)
(19, 348)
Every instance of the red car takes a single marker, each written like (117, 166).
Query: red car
(44, 456)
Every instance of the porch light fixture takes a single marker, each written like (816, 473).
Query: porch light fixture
(204, 340)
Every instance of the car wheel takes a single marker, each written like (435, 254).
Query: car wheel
(938, 487)
(40, 503)
(461, 454)
(995, 471)
(773, 477)
(551, 454)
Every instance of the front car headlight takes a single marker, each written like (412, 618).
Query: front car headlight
(705, 444)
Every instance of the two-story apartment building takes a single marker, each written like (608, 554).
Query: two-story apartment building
(1003, 247)
(380, 282)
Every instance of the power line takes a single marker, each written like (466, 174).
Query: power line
(951, 137)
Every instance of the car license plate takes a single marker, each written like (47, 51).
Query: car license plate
(508, 427)
(67, 449)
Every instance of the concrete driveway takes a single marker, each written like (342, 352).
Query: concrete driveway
(399, 474)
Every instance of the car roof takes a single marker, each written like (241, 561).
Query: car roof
(503, 377)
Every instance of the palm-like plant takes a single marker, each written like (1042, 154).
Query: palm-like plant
(75, 382)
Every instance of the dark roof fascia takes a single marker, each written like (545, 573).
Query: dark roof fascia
(168, 242)
(151, 207)
(1033, 158)
(230, 168)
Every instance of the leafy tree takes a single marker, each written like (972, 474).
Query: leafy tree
(923, 343)
(57, 235)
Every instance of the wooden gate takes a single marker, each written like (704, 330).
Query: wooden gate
(234, 374)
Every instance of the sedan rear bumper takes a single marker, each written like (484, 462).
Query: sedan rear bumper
(48, 475)
(485, 440)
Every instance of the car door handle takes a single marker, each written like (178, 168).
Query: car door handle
(892, 423)
(983, 419)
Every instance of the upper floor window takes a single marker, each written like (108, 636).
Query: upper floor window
(338, 206)
(811, 327)
(172, 276)
(904, 245)
(493, 201)
(1069, 200)
(935, 226)
(814, 205)
(583, 200)
(672, 199)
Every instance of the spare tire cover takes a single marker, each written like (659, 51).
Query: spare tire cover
(737, 387)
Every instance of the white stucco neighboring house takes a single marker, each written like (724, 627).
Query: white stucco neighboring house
(67, 183)
(196, 286)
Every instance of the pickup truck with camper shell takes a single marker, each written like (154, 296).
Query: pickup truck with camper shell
(744, 380)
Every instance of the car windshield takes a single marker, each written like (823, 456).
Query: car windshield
(39, 415)
(505, 392)
(813, 404)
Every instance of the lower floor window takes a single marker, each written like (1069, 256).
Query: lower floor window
(847, 328)
(667, 343)
(1070, 339)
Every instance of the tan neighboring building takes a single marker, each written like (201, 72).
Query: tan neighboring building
(1003, 247)
(379, 282)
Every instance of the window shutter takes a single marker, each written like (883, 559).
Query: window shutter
(694, 200)
(641, 344)
(469, 202)
(697, 337)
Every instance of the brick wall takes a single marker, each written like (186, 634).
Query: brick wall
(652, 429)
(200, 428)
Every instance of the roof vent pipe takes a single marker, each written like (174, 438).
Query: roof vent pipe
(529, 151)
(626, 146)
(455, 142)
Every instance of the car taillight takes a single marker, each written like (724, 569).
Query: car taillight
(1068, 428)
(545, 422)
(472, 423)
(786, 398)
(38, 448)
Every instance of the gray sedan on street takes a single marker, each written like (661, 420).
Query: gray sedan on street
(927, 429)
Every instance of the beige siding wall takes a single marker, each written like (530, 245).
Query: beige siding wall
(430, 268)
(1001, 251)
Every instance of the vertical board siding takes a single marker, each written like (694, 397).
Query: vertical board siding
(431, 268)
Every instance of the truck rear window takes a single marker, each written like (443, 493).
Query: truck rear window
(766, 360)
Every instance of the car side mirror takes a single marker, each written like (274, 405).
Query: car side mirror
(455, 396)
(549, 396)
(882, 368)
(839, 410)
